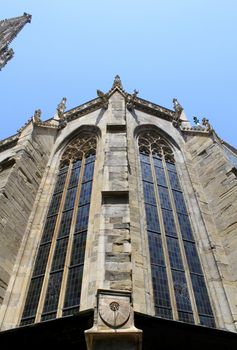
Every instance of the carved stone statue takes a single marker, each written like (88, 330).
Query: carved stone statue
(196, 120)
(206, 123)
(177, 106)
(37, 116)
(61, 107)
(104, 98)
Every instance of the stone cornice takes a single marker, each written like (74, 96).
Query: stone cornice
(9, 142)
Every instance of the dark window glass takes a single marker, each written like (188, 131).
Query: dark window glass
(42, 258)
(27, 321)
(185, 227)
(65, 223)
(78, 248)
(201, 295)
(146, 172)
(73, 290)
(74, 177)
(70, 198)
(63, 169)
(169, 223)
(88, 172)
(90, 158)
(164, 197)
(160, 176)
(149, 194)
(55, 203)
(33, 297)
(60, 182)
(192, 257)
(207, 321)
(179, 202)
(163, 312)
(59, 254)
(181, 291)
(71, 311)
(82, 218)
(49, 316)
(49, 229)
(85, 193)
(152, 218)
(174, 180)
(160, 286)
(186, 317)
(156, 250)
(174, 253)
(53, 291)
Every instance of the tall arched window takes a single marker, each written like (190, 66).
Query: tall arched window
(55, 286)
(179, 286)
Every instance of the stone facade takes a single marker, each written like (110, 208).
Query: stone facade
(117, 257)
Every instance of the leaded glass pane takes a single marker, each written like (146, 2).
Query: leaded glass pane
(55, 203)
(146, 172)
(60, 183)
(169, 223)
(90, 158)
(49, 316)
(145, 158)
(170, 166)
(201, 295)
(157, 162)
(73, 286)
(186, 317)
(70, 198)
(174, 180)
(53, 291)
(49, 229)
(76, 164)
(164, 197)
(85, 193)
(179, 202)
(149, 194)
(192, 257)
(33, 297)
(185, 227)
(82, 218)
(27, 321)
(59, 254)
(160, 176)
(174, 253)
(65, 223)
(78, 248)
(181, 291)
(207, 321)
(71, 311)
(156, 250)
(41, 260)
(74, 177)
(163, 312)
(88, 172)
(160, 286)
(152, 218)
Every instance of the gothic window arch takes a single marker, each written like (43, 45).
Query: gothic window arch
(55, 285)
(179, 287)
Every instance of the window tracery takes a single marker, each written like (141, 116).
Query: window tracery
(179, 287)
(55, 285)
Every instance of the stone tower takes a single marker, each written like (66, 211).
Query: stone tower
(9, 28)
(118, 228)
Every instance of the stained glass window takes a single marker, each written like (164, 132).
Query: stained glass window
(59, 263)
(175, 266)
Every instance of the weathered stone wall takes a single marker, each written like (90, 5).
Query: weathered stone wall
(22, 170)
(216, 188)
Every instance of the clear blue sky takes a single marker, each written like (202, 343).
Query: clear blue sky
(164, 48)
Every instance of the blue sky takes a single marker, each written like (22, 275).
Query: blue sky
(164, 48)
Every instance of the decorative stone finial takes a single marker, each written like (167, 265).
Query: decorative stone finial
(117, 82)
(104, 98)
(37, 116)
(196, 121)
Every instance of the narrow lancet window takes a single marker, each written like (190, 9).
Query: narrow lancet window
(55, 285)
(179, 286)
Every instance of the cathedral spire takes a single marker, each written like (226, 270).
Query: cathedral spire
(9, 28)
